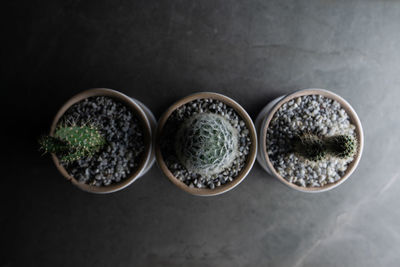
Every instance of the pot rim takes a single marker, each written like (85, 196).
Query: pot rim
(250, 159)
(354, 119)
(129, 102)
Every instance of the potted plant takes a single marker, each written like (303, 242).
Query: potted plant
(101, 140)
(311, 140)
(206, 144)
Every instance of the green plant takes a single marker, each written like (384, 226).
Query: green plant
(315, 148)
(341, 146)
(206, 144)
(309, 146)
(73, 142)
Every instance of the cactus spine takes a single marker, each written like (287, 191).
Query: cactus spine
(73, 142)
(316, 148)
(206, 144)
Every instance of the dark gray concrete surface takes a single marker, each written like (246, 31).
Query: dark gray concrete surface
(160, 51)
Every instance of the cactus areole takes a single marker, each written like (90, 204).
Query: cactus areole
(206, 144)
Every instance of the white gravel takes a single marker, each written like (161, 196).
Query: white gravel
(316, 114)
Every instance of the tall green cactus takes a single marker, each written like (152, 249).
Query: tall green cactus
(316, 148)
(73, 142)
(206, 144)
(341, 146)
(309, 146)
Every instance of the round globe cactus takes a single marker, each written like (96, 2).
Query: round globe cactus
(206, 144)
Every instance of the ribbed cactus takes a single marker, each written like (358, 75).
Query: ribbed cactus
(316, 148)
(206, 144)
(73, 142)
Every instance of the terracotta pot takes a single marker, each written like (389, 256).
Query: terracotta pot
(250, 159)
(265, 117)
(147, 120)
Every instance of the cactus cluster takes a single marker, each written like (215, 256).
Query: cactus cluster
(206, 144)
(316, 148)
(73, 142)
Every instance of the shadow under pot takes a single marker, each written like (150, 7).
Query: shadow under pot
(206, 144)
(101, 140)
(310, 140)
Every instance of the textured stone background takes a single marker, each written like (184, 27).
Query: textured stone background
(159, 51)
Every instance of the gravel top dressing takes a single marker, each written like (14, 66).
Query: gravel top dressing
(124, 147)
(202, 120)
(314, 114)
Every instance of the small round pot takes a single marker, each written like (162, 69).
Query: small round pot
(148, 123)
(250, 159)
(265, 116)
